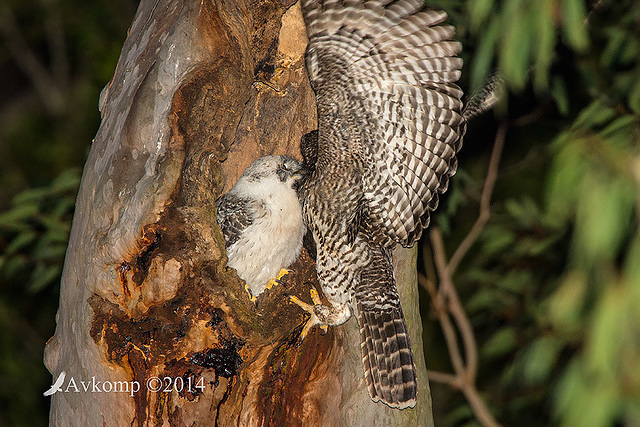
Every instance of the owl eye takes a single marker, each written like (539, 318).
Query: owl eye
(285, 166)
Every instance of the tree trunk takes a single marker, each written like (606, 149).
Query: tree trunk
(201, 89)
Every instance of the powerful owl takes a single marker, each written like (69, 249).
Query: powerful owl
(389, 126)
(261, 220)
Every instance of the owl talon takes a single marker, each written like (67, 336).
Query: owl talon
(315, 296)
(276, 280)
(317, 301)
(272, 282)
(313, 321)
(303, 305)
(248, 290)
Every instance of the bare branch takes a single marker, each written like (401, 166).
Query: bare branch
(448, 293)
(480, 410)
(471, 394)
(447, 303)
(485, 201)
(533, 116)
(594, 8)
(464, 379)
(445, 323)
(444, 378)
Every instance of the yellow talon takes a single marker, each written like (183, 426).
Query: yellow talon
(283, 272)
(314, 296)
(313, 321)
(316, 300)
(251, 297)
(305, 330)
(271, 282)
(303, 305)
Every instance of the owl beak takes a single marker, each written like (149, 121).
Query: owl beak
(300, 173)
(298, 176)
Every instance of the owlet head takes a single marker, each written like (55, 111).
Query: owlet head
(274, 171)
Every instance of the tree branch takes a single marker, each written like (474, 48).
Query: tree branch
(446, 301)
(471, 394)
(453, 305)
(485, 201)
(445, 378)
(445, 323)
(464, 378)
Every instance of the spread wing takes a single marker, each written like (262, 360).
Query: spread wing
(396, 69)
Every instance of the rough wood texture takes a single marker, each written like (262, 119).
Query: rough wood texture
(201, 89)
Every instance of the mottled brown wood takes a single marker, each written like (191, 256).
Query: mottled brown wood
(200, 91)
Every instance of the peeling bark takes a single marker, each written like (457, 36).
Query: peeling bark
(200, 91)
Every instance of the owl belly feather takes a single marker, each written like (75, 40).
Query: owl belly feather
(271, 243)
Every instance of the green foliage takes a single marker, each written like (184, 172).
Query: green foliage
(552, 286)
(33, 238)
(599, 192)
(35, 232)
(519, 37)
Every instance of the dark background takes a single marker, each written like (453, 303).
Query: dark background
(551, 286)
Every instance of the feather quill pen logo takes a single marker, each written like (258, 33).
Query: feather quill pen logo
(57, 385)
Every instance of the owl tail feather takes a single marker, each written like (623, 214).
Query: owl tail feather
(386, 356)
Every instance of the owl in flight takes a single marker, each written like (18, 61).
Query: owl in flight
(390, 123)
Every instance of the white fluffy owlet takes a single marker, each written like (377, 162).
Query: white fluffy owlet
(261, 220)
